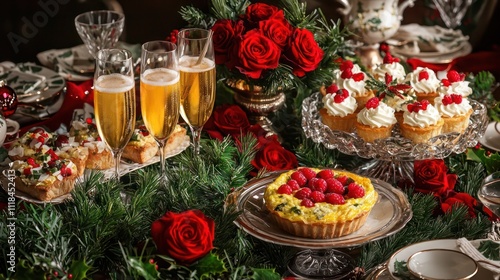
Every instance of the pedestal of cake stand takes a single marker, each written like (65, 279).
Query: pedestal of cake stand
(386, 170)
(322, 264)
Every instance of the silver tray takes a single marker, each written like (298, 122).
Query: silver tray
(389, 215)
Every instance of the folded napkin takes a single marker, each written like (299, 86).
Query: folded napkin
(470, 248)
(421, 38)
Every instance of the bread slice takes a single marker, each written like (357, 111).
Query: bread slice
(141, 148)
(100, 157)
(51, 184)
(175, 139)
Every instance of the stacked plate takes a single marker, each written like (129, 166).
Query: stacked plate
(432, 44)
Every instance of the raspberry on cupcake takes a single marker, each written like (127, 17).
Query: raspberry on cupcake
(421, 121)
(339, 110)
(375, 121)
(425, 83)
(392, 66)
(455, 111)
(455, 83)
(350, 77)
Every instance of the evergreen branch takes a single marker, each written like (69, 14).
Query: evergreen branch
(196, 18)
(296, 14)
(228, 9)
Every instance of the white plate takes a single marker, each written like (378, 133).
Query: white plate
(450, 244)
(491, 137)
(436, 57)
(389, 215)
(124, 169)
(32, 82)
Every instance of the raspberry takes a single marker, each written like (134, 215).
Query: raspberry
(317, 184)
(355, 191)
(457, 98)
(332, 89)
(344, 180)
(387, 78)
(445, 82)
(284, 189)
(424, 103)
(453, 76)
(372, 103)
(338, 98)
(387, 58)
(300, 178)
(447, 100)
(346, 74)
(293, 184)
(308, 172)
(307, 203)
(334, 198)
(334, 186)
(317, 196)
(303, 193)
(358, 77)
(346, 64)
(343, 92)
(423, 75)
(325, 174)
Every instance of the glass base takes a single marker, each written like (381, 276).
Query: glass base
(322, 264)
(389, 171)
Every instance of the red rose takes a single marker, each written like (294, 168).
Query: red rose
(231, 119)
(260, 11)
(304, 52)
(278, 30)
(256, 53)
(274, 157)
(185, 236)
(454, 198)
(432, 176)
(225, 34)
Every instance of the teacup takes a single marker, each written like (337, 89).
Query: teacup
(8, 127)
(437, 264)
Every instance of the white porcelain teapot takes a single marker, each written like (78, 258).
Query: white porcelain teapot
(8, 127)
(373, 21)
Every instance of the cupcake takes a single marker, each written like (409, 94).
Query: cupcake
(392, 67)
(421, 121)
(455, 84)
(351, 78)
(339, 110)
(425, 83)
(455, 112)
(375, 121)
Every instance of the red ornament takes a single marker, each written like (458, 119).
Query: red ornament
(8, 100)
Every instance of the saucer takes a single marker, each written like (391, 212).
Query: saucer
(446, 264)
(491, 137)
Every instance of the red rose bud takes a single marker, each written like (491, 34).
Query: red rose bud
(372, 103)
(423, 75)
(333, 88)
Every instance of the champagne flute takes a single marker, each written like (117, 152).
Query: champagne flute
(197, 79)
(160, 92)
(114, 100)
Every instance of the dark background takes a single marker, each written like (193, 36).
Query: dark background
(154, 19)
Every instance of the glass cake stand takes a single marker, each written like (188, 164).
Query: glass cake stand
(392, 158)
(319, 258)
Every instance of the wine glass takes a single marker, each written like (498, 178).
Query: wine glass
(452, 11)
(99, 29)
(114, 100)
(489, 192)
(160, 92)
(197, 79)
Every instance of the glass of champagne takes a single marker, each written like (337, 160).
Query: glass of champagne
(160, 92)
(197, 82)
(114, 100)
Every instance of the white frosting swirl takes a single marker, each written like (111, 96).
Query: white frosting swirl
(395, 69)
(422, 118)
(356, 88)
(425, 85)
(382, 116)
(461, 87)
(398, 103)
(452, 109)
(342, 109)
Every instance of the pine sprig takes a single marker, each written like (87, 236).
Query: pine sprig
(228, 9)
(196, 17)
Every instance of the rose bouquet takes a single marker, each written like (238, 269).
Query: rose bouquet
(272, 48)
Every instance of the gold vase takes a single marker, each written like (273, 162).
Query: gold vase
(257, 103)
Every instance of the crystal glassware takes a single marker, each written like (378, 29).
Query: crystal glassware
(197, 82)
(114, 100)
(452, 11)
(393, 157)
(489, 192)
(99, 29)
(160, 92)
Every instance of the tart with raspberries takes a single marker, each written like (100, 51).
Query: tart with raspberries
(320, 204)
